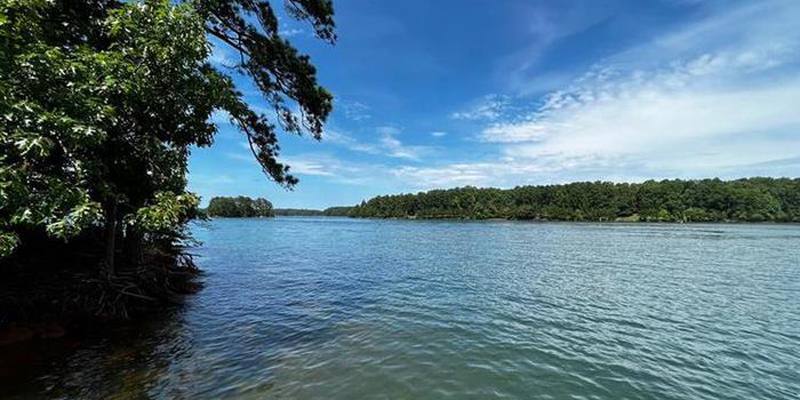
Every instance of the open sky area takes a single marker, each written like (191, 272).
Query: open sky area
(439, 94)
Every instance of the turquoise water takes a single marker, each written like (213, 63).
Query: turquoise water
(328, 308)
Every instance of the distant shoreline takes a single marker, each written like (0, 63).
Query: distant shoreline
(747, 200)
(310, 212)
(543, 221)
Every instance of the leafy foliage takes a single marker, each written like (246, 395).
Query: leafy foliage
(101, 102)
(168, 211)
(752, 200)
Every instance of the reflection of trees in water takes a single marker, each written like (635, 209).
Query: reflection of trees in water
(117, 363)
(219, 346)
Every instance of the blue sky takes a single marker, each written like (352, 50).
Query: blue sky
(438, 94)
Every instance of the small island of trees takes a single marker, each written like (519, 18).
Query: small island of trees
(239, 207)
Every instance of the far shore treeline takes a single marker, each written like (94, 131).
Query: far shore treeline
(708, 200)
(305, 212)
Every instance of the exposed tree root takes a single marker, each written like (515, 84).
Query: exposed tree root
(36, 289)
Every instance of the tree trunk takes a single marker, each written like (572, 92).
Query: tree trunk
(111, 236)
(133, 246)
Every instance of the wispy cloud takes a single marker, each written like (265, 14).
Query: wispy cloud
(475, 174)
(287, 33)
(489, 107)
(393, 147)
(665, 108)
(388, 144)
(340, 138)
(355, 110)
(711, 93)
(336, 169)
(547, 25)
(311, 166)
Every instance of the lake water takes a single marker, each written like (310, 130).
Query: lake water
(329, 308)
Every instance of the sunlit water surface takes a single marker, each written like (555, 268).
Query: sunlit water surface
(328, 308)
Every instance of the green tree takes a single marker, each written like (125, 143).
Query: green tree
(102, 100)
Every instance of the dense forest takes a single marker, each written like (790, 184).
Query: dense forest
(239, 207)
(708, 200)
(101, 103)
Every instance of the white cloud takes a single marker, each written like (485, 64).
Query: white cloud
(354, 110)
(489, 107)
(462, 174)
(340, 138)
(387, 145)
(654, 118)
(717, 98)
(287, 33)
(736, 104)
(317, 164)
(438, 133)
(475, 174)
(336, 169)
(395, 148)
(305, 166)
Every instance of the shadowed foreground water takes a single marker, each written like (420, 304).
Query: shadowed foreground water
(328, 308)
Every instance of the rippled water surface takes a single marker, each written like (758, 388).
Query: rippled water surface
(328, 308)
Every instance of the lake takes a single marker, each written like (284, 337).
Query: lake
(335, 308)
